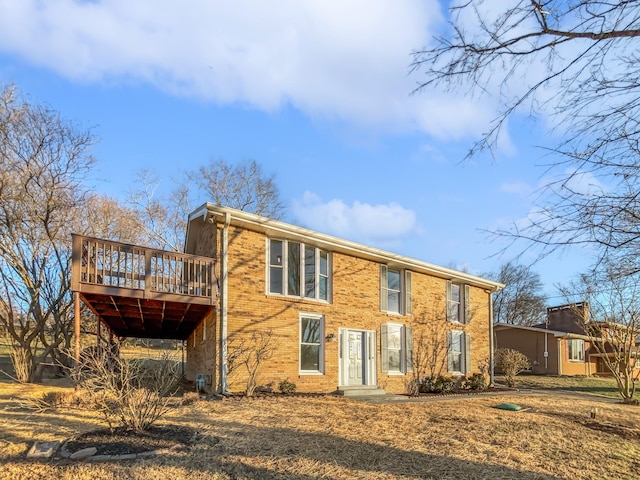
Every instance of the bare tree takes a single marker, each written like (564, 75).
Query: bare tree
(43, 163)
(430, 350)
(612, 322)
(251, 352)
(163, 214)
(520, 302)
(243, 186)
(574, 63)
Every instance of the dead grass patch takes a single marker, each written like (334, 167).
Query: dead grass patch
(289, 437)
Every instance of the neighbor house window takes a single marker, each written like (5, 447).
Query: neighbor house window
(395, 290)
(397, 348)
(298, 270)
(576, 350)
(458, 352)
(458, 302)
(311, 343)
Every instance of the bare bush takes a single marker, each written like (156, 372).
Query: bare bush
(251, 352)
(52, 400)
(129, 393)
(511, 363)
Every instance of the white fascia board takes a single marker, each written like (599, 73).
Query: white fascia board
(288, 231)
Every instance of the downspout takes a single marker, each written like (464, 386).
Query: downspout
(223, 303)
(546, 345)
(491, 357)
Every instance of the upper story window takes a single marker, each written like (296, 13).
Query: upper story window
(458, 310)
(298, 270)
(576, 350)
(395, 290)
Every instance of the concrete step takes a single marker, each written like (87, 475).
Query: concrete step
(360, 391)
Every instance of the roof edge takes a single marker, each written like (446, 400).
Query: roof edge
(263, 224)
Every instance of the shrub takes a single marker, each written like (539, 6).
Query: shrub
(477, 381)
(130, 393)
(510, 362)
(287, 387)
(428, 384)
(189, 398)
(412, 387)
(444, 384)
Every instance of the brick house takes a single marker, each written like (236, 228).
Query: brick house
(343, 316)
(560, 345)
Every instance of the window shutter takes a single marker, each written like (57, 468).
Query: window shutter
(384, 348)
(467, 305)
(408, 346)
(384, 296)
(448, 306)
(449, 355)
(467, 353)
(407, 292)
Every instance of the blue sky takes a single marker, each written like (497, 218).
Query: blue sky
(318, 93)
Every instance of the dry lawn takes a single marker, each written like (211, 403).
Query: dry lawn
(338, 438)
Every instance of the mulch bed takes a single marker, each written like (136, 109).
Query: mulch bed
(122, 441)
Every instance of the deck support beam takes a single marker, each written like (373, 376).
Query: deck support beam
(76, 319)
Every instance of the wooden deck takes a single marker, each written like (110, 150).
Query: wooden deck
(143, 292)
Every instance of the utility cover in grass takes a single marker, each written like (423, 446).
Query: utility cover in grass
(509, 406)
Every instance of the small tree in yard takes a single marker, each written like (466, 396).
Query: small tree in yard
(511, 363)
(612, 319)
(251, 352)
(132, 394)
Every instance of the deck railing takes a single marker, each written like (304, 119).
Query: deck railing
(104, 266)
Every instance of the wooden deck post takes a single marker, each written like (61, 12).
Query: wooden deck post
(76, 318)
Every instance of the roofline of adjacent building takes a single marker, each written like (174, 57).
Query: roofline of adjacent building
(555, 333)
(285, 230)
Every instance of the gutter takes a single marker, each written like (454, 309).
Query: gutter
(224, 302)
(491, 343)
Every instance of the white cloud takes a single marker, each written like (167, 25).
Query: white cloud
(345, 61)
(382, 226)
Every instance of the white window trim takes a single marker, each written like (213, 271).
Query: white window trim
(285, 271)
(405, 368)
(464, 314)
(320, 370)
(402, 350)
(579, 350)
(404, 294)
(465, 350)
(460, 335)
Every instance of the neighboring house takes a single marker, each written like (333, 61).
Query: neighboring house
(559, 346)
(343, 315)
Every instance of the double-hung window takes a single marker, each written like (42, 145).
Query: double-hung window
(298, 270)
(458, 310)
(395, 290)
(311, 343)
(397, 348)
(458, 352)
(576, 350)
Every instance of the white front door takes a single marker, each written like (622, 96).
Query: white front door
(354, 363)
(357, 357)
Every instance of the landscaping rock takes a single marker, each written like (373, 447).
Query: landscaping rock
(42, 449)
(84, 453)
